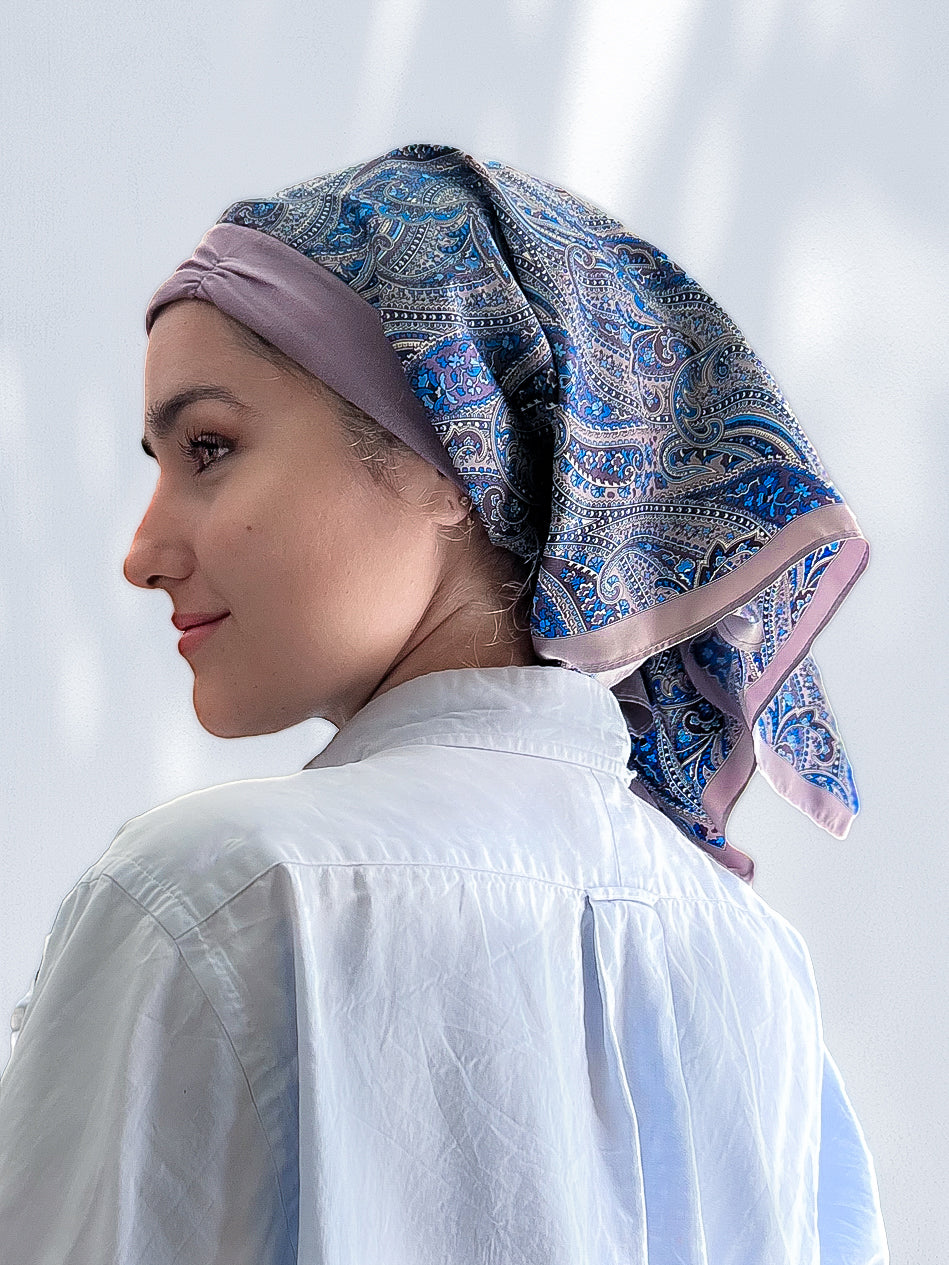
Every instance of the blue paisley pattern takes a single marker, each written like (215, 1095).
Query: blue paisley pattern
(611, 424)
(799, 726)
(689, 740)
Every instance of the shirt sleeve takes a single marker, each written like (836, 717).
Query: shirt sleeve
(849, 1220)
(128, 1131)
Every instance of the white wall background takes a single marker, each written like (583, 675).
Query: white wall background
(789, 153)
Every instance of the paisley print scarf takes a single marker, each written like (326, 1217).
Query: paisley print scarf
(610, 423)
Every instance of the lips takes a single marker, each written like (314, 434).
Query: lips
(184, 622)
(197, 628)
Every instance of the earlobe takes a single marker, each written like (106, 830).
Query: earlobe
(456, 507)
(462, 513)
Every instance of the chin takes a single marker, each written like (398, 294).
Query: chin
(226, 719)
(227, 726)
(229, 717)
(221, 729)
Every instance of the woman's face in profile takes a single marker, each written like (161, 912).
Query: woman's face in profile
(264, 522)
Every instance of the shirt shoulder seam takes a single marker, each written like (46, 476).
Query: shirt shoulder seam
(223, 1026)
(288, 862)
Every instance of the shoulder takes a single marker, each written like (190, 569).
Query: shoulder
(185, 858)
(692, 897)
(416, 806)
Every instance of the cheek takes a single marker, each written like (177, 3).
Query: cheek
(282, 557)
(234, 546)
(299, 550)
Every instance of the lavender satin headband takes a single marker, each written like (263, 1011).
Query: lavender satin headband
(609, 421)
(314, 318)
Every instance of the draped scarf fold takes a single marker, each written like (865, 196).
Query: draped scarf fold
(612, 425)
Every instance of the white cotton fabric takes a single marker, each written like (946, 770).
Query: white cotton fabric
(451, 995)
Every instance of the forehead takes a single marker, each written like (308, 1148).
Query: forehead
(195, 350)
(193, 357)
(196, 357)
(192, 336)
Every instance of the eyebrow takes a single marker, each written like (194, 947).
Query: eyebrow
(161, 418)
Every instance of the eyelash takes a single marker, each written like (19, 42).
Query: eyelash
(207, 442)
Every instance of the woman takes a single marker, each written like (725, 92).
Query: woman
(450, 458)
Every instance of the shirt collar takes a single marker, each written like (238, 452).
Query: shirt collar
(535, 709)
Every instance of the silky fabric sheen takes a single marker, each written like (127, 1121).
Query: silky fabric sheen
(448, 996)
(612, 425)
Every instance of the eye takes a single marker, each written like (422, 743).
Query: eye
(204, 450)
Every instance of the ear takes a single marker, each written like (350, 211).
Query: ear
(449, 505)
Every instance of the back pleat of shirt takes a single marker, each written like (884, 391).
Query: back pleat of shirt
(451, 995)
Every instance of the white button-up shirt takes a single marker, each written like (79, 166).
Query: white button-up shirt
(451, 995)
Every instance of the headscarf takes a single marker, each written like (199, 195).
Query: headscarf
(610, 423)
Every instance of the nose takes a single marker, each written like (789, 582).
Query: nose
(158, 551)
